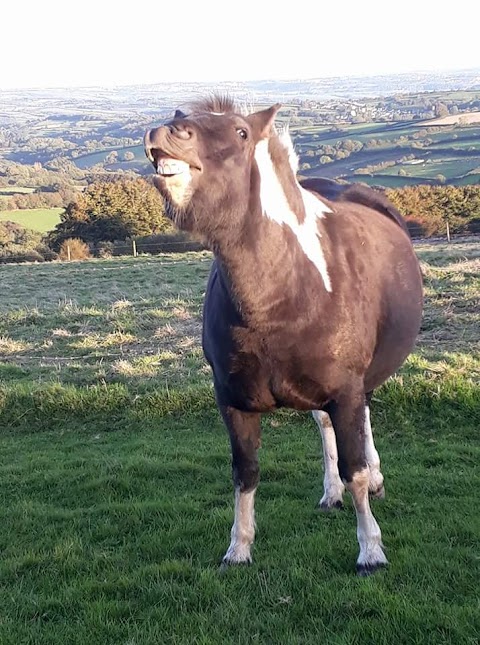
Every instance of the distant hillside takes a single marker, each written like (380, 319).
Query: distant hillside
(464, 118)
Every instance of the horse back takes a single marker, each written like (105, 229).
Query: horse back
(356, 194)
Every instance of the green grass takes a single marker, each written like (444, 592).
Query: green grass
(449, 168)
(37, 219)
(7, 192)
(387, 181)
(115, 474)
(88, 160)
(12, 190)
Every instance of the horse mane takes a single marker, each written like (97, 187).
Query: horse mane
(356, 193)
(219, 103)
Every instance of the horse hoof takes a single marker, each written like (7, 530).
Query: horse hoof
(328, 505)
(227, 563)
(364, 570)
(377, 494)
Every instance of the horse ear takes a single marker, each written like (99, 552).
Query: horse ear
(179, 114)
(262, 122)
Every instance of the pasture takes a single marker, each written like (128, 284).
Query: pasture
(36, 219)
(116, 488)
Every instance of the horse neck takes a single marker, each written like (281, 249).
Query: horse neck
(278, 242)
(255, 263)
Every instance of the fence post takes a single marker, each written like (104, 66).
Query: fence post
(448, 232)
(134, 245)
(69, 256)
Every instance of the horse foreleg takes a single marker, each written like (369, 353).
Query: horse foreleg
(348, 419)
(244, 430)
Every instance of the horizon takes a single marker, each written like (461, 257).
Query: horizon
(246, 81)
(100, 47)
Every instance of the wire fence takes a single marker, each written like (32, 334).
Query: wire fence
(135, 248)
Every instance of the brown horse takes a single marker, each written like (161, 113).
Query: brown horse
(313, 301)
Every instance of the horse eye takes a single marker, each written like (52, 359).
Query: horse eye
(242, 133)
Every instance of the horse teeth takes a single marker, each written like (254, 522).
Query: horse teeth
(171, 167)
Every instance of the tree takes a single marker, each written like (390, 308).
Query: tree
(112, 157)
(441, 110)
(112, 210)
(325, 159)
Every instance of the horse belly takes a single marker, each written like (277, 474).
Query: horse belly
(397, 335)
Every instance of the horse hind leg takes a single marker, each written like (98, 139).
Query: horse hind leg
(375, 484)
(333, 487)
(348, 418)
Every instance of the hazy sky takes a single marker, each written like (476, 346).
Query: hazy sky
(62, 43)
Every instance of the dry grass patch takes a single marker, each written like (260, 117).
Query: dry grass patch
(141, 367)
(121, 304)
(9, 346)
(99, 341)
(167, 331)
(61, 333)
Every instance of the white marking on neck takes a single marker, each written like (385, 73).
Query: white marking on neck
(275, 206)
(286, 141)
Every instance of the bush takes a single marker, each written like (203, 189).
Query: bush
(104, 249)
(18, 244)
(47, 253)
(22, 256)
(74, 249)
(432, 207)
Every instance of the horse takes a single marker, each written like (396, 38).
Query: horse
(313, 301)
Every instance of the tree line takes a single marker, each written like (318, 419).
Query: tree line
(428, 208)
(109, 214)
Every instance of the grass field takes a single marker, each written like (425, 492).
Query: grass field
(115, 478)
(37, 219)
(12, 190)
(6, 192)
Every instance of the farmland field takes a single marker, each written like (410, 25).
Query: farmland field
(37, 219)
(115, 476)
(451, 151)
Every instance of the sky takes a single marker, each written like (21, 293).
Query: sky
(52, 43)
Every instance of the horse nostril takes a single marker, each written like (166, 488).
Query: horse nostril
(184, 133)
(179, 130)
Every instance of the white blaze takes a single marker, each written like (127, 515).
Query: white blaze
(275, 206)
